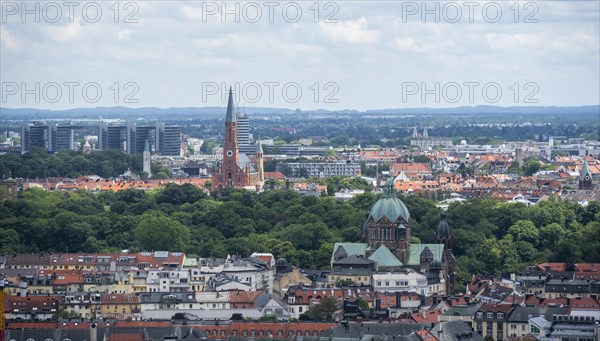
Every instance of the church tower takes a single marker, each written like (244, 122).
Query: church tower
(443, 235)
(235, 171)
(260, 164)
(230, 146)
(585, 177)
(146, 160)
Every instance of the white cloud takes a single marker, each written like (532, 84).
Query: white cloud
(350, 31)
(65, 33)
(124, 34)
(8, 39)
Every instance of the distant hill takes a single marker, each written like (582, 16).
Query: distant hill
(215, 112)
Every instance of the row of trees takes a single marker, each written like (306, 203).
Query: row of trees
(488, 237)
(71, 164)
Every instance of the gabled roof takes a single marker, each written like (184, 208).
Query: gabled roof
(355, 260)
(463, 310)
(414, 257)
(351, 249)
(385, 258)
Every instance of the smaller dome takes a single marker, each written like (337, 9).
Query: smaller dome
(281, 262)
(443, 229)
(436, 264)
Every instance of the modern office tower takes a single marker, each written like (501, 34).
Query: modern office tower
(138, 134)
(129, 138)
(243, 135)
(112, 137)
(35, 135)
(169, 139)
(243, 129)
(62, 137)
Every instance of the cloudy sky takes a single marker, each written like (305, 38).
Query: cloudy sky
(333, 55)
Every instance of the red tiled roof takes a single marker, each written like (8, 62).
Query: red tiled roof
(119, 298)
(496, 307)
(430, 316)
(274, 175)
(585, 303)
(126, 337)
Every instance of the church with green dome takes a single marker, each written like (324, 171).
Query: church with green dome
(386, 241)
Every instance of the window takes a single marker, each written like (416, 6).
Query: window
(490, 315)
(500, 315)
(479, 315)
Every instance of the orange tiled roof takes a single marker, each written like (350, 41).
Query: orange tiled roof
(243, 296)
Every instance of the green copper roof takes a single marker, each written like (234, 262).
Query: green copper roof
(385, 258)
(389, 205)
(585, 170)
(414, 256)
(351, 249)
(231, 116)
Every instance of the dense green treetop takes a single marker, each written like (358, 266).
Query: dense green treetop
(71, 164)
(488, 237)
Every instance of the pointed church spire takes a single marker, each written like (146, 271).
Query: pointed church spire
(260, 148)
(231, 117)
(585, 170)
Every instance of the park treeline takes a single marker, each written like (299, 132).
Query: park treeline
(109, 163)
(488, 237)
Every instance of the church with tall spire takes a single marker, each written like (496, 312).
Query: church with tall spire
(236, 170)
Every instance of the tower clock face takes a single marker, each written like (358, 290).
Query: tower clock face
(230, 153)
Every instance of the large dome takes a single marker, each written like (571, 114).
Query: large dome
(389, 205)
